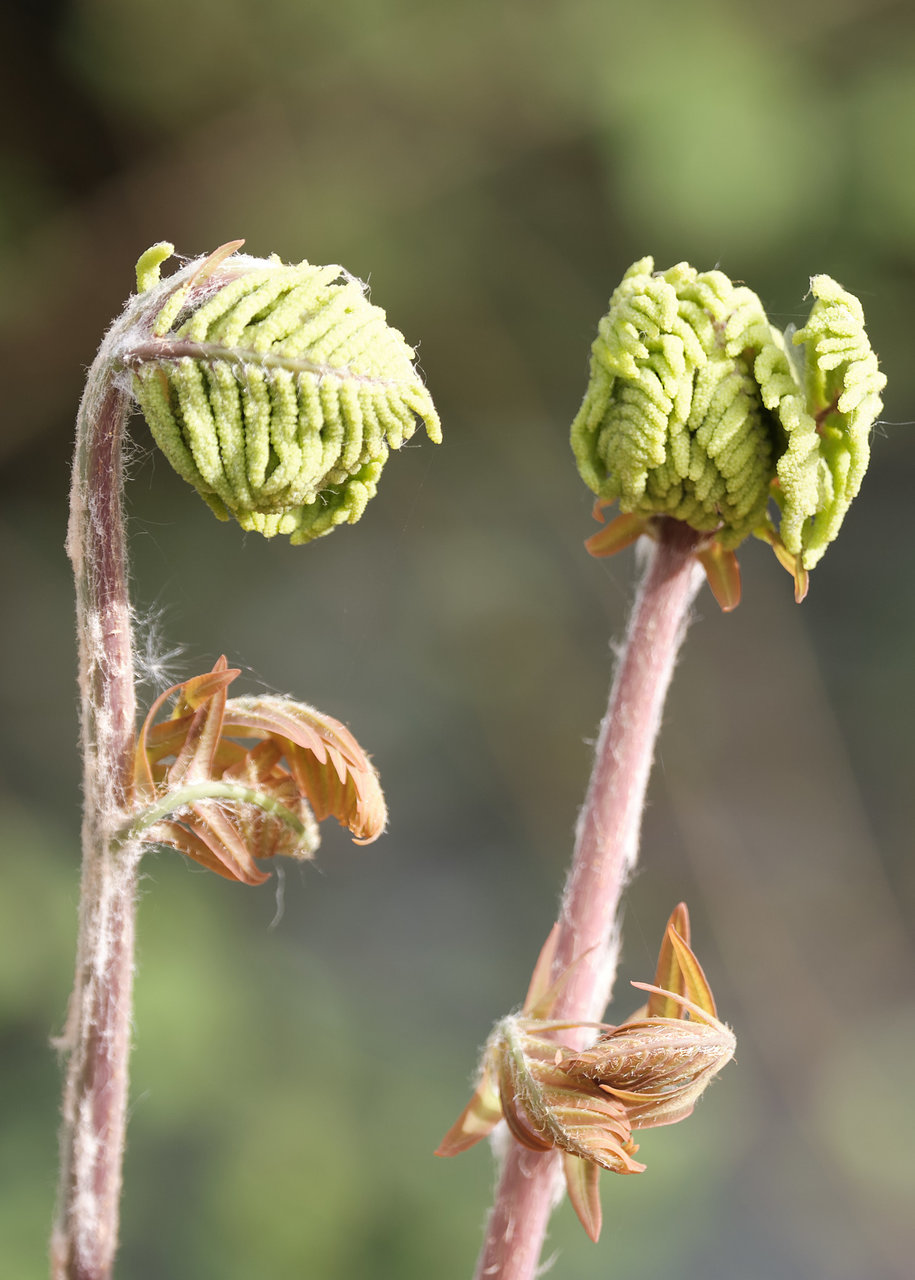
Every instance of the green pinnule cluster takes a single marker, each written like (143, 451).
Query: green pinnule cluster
(698, 408)
(827, 419)
(277, 391)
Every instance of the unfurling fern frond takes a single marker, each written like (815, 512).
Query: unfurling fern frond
(672, 423)
(820, 473)
(699, 410)
(276, 391)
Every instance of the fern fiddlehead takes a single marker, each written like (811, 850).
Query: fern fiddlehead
(276, 391)
(698, 408)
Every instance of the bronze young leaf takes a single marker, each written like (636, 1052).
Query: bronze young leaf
(648, 1071)
(205, 790)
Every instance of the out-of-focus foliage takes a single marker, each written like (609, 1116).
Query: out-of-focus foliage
(492, 168)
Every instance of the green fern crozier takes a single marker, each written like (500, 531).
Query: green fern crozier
(276, 391)
(700, 409)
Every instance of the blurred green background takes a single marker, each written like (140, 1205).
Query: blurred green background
(492, 168)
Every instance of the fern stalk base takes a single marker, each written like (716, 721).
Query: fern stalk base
(606, 849)
(97, 1035)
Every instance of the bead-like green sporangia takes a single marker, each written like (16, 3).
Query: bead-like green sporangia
(276, 391)
(700, 409)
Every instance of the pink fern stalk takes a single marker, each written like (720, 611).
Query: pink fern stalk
(606, 849)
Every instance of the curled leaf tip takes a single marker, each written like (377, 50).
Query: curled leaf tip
(150, 263)
(228, 781)
(277, 391)
(698, 408)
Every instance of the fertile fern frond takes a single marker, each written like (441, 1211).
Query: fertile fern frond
(821, 471)
(276, 391)
(698, 409)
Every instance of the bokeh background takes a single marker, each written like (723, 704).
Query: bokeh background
(492, 167)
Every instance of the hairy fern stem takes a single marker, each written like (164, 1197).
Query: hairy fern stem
(278, 392)
(606, 849)
(97, 1035)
